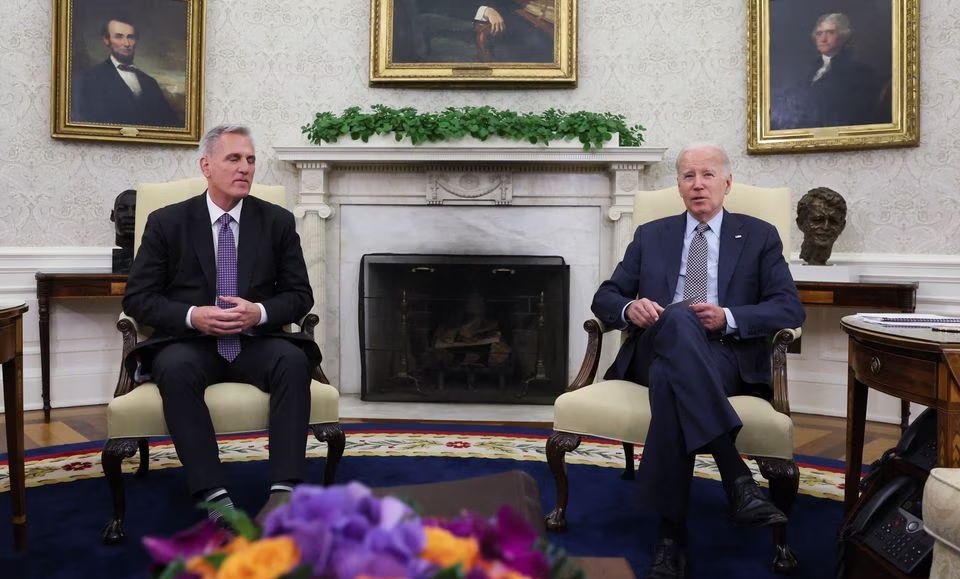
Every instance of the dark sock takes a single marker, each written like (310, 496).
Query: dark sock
(673, 530)
(728, 459)
(219, 496)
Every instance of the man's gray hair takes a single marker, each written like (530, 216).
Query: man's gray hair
(209, 141)
(840, 20)
(724, 158)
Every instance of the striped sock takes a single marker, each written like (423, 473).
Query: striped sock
(218, 495)
(281, 487)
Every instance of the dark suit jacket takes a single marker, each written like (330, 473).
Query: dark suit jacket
(175, 268)
(101, 96)
(849, 93)
(753, 280)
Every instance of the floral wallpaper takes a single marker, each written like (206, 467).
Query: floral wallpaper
(676, 66)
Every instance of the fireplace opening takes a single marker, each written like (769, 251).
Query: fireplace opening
(463, 328)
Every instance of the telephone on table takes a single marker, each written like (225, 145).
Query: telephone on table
(890, 521)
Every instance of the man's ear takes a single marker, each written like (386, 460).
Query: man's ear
(205, 166)
(112, 217)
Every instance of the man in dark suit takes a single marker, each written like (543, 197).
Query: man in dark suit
(217, 277)
(692, 356)
(461, 31)
(115, 91)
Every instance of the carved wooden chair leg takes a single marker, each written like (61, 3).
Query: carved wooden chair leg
(558, 445)
(144, 467)
(629, 469)
(783, 477)
(114, 451)
(332, 434)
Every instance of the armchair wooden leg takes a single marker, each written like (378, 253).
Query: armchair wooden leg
(332, 434)
(783, 476)
(144, 467)
(558, 445)
(114, 451)
(629, 469)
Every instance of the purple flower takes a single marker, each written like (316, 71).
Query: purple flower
(508, 538)
(199, 539)
(344, 531)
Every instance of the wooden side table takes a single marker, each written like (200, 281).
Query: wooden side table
(11, 356)
(914, 364)
(900, 297)
(68, 285)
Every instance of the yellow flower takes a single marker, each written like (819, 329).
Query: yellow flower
(264, 559)
(445, 549)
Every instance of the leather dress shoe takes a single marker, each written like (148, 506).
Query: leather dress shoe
(750, 508)
(669, 561)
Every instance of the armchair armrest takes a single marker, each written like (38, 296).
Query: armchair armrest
(133, 332)
(591, 359)
(778, 366)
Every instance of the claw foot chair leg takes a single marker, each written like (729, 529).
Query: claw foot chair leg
(558, 445)
(114, 451)
(783, 477)
(332, 434)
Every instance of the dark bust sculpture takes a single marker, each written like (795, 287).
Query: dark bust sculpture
(821, 216)
(123, 216)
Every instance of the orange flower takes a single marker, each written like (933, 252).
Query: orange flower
(263, 559)
(445, 549)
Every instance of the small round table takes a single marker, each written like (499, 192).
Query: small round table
(11, 356)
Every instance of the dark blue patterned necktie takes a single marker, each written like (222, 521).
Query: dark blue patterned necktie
(695, 284)
(228, 346)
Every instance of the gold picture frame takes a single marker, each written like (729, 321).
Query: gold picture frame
(871, 100)
(128, 71)
(444, 43)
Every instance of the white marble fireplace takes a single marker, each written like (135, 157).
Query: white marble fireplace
(355, 200)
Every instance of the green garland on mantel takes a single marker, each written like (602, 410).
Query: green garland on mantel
(591, 129)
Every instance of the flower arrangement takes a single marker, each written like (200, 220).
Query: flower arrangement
(589, 128)
(345, 532)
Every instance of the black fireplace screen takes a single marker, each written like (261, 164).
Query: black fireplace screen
(463, 328)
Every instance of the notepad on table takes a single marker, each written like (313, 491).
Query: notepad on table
(917, 320)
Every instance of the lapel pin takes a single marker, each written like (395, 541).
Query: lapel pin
(737, 236)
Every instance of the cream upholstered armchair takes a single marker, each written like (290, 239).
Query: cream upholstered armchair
(620, 410)
(136, 412)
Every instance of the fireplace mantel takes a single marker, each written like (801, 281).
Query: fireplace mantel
(447, 154)
(349, 195)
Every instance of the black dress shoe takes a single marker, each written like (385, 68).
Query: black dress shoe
(750, 508)
(669, 561)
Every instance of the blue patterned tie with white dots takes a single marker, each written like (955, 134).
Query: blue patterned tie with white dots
(228, 346)
(695, 284)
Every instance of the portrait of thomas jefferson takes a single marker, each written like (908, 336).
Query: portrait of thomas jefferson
(129, 68)
(427, 31)
(830, 69)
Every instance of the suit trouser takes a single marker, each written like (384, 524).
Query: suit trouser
(183, 370)
(689, 376)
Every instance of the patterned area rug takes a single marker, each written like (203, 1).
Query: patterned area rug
(818, 478)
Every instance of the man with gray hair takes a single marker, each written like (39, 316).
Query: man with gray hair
(732, 289)
(218, 276)
(838, 89)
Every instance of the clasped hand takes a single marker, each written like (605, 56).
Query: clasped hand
(217, 321)
(644, 313)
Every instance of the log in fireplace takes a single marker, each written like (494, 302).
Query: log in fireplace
(463, 328)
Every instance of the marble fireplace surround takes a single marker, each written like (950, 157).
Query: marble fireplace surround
(513, 200)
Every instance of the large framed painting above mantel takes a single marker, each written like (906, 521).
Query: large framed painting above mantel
(128, 71)
(444, 43)
(832, 75)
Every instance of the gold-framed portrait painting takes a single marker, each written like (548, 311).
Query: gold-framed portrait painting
(444, 43)
(832, 75)
(128, 71)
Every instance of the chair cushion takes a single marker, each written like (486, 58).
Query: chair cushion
(234, 407)
(620, 410)
(941, 494)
